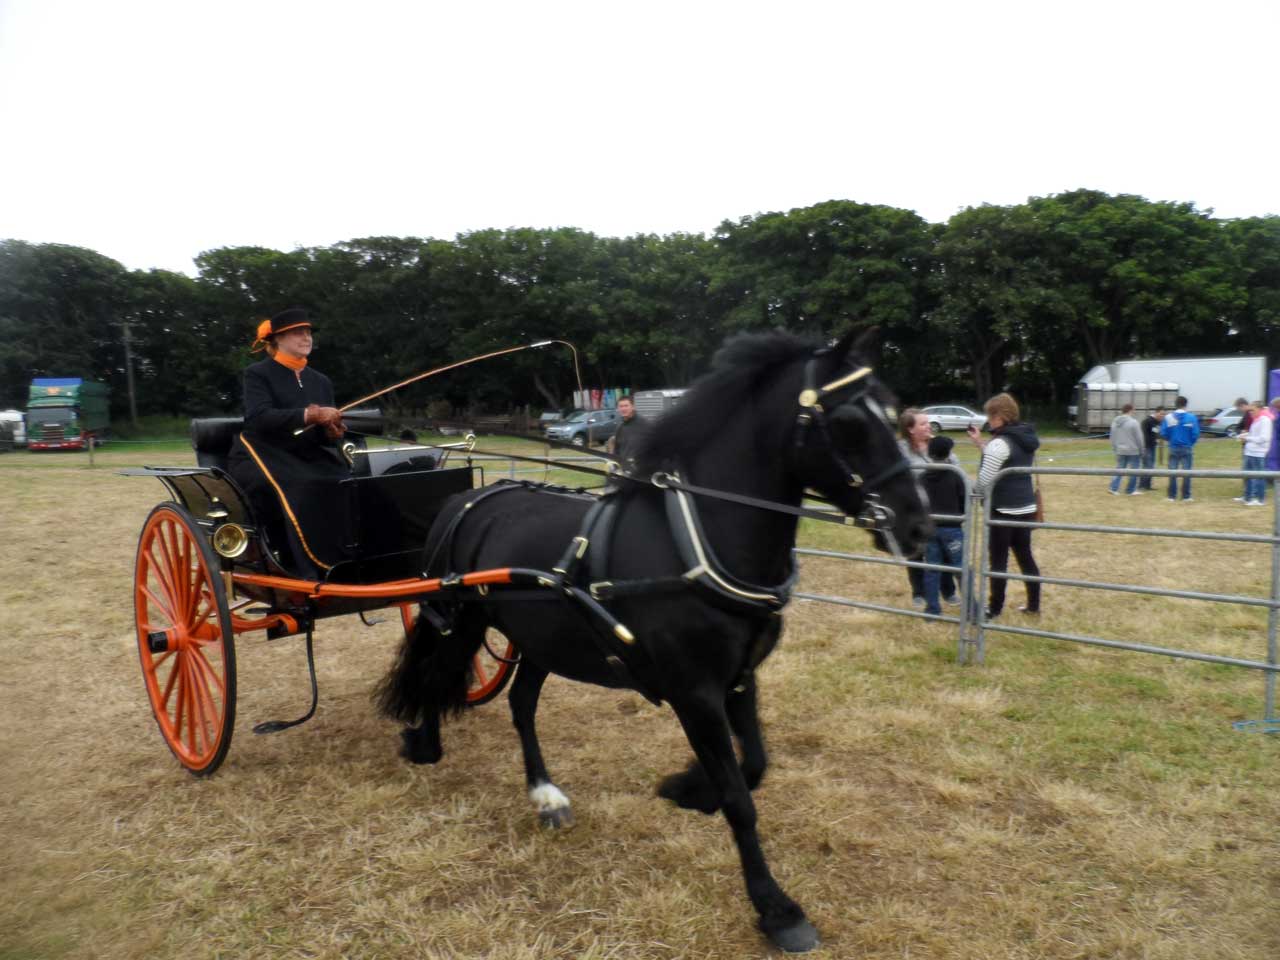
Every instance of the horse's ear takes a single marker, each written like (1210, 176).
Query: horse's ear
(860, 341)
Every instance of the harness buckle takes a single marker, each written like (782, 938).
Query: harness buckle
(664, 483)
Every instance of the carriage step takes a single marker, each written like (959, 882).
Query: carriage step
(275, 726)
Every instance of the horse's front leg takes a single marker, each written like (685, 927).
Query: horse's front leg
(692, 788)
(552, 805)
(705, 722)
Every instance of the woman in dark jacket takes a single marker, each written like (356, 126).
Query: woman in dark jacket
(914, 434)
(1012, 444)
(292, 478)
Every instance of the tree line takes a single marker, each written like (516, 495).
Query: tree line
(1023, 297)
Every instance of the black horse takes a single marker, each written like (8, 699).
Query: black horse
(697, 581)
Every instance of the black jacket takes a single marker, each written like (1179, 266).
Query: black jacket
(627, 441)
(1016, 491)
(293, 483)
(1150, 432)
(946, 495)
(275, 402)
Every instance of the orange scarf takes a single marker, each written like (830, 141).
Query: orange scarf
(295, 364)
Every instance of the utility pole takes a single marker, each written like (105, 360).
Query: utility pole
(128, 375)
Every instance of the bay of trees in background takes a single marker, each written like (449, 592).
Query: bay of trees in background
(1023, 297)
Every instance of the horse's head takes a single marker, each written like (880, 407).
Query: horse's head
(847, 452)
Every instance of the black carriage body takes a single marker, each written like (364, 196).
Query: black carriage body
(206, 571)
(392, 498)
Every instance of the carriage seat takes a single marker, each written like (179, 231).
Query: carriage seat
(211, 438)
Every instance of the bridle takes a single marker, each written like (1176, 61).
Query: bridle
(815, 403)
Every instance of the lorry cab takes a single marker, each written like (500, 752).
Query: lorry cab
(66, 413)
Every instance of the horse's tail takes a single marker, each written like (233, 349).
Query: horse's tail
(431, 674)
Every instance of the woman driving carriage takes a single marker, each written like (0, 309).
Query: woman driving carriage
(287, 459)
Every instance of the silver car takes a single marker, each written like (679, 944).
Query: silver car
(952, 417)
(1226, 422)
(586, 426)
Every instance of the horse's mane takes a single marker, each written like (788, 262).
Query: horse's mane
(737, 370)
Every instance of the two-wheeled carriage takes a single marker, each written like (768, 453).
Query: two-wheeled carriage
(208, 570)
(702, 570)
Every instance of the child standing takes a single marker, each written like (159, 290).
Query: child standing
(946, 498)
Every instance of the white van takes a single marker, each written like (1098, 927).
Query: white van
(18, 423)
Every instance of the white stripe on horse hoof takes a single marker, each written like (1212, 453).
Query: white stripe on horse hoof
(553, 806)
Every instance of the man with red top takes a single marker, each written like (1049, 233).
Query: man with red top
(291, 477)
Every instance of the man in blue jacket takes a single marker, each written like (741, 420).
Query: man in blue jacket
(1181, 430)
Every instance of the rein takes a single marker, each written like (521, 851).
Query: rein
(665, 480)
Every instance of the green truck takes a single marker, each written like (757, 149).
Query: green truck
(66, 413)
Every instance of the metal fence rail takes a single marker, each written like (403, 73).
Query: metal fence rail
(973, 625)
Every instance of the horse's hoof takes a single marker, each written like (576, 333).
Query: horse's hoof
(690, 790)
(417, 749)
(559, 818)
(800, 938)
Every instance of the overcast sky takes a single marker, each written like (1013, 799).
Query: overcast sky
(150, 130)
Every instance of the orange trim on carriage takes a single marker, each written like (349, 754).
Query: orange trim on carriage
(392, 589)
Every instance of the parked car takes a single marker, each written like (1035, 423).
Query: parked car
(1224, 423)
(586, 426)
(952, 417)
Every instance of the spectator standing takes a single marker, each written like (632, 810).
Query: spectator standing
(1246, 420)
(1181, 430)
(914, 434)
(1257, 444)
(624, 443)
(946, 500)
(1013, 497)
(1126, 441)
(1150, 437)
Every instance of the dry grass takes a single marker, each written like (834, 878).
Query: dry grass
(1061, 801)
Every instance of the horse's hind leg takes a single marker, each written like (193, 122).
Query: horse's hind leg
(706, 724)
(552, 805)
(692, 789)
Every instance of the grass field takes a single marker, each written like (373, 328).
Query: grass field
(1060, 801)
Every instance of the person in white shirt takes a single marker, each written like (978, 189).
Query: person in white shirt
(1256, 444)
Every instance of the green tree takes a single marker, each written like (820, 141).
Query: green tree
(1255, 246)
(1138, 277)
(60, 311)
(826, 268)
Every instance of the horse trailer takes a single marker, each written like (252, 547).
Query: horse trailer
(652, 404)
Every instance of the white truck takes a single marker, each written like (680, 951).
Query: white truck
(1208, 383)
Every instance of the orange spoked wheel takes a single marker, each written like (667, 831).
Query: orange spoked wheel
(185, 639)
(491, 667)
